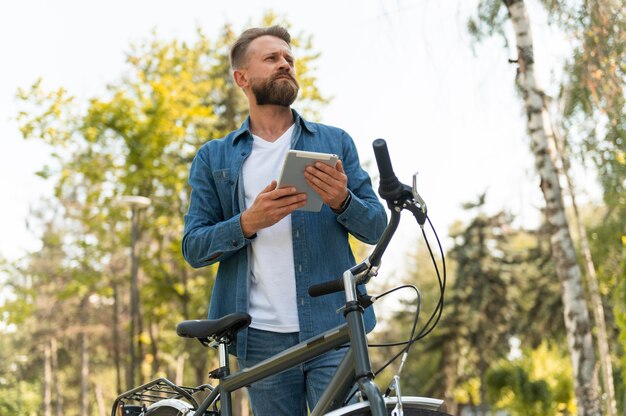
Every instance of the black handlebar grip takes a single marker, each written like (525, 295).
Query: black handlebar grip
(390, 187)
(326, 288)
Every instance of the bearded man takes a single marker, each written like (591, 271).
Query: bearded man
(269, 253)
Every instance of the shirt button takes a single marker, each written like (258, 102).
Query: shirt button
(235, 243)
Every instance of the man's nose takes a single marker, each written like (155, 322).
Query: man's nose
(283, 63)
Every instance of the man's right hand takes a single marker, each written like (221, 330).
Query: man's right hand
(269, 207)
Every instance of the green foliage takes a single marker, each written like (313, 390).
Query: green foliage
(491, 15)
(485, 287)
(19, 392)
(532, 397)
(138, 138)
(539, 383)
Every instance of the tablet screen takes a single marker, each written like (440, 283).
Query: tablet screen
(292, 174)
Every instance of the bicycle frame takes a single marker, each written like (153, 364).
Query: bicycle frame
(354, 367)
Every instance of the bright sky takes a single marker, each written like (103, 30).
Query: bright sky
(401, 70)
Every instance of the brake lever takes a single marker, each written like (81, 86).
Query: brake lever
(411, 200)
(417, 196)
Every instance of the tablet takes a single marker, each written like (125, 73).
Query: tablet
(292, 174)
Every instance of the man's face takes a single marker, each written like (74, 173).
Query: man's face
(271, 73)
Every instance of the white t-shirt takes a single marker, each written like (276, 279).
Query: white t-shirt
(273, 305)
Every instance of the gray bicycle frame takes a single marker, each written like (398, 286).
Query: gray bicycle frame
(355, 366)
(337, 389)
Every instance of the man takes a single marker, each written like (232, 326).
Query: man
(269, 253)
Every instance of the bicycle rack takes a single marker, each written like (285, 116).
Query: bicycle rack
(153, 392)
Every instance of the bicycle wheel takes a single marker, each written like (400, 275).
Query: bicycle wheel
(169, 407)
(411, 406)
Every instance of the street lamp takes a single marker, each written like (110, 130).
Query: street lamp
(136, 203)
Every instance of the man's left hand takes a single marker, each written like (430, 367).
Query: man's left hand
(330, 183)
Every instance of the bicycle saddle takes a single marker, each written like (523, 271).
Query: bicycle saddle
(204, 329)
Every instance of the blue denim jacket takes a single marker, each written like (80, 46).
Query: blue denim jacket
(320, 239)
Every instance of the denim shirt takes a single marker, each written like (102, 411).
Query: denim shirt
(320, 239)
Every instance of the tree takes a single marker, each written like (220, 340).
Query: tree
(575, 311)
(537, 383)
(593, 115)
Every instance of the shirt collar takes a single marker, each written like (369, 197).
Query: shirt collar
(245, 126)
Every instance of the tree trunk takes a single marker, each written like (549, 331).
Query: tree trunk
(141, 353)
(592, 283)
(482, 369)
(244, 404)
(576, 315)
(47, 381)
(180, 369)
(102, 410)
(84, 358)
(186, 295)
(116, 340)
(450, 374)
(54, 361)
(154, 346)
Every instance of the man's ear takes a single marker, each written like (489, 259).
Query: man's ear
(240, 77)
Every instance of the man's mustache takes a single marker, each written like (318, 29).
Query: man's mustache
(284, 74)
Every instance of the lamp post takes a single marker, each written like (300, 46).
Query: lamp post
(136, 203)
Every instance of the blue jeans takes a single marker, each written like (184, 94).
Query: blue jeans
(287, 393)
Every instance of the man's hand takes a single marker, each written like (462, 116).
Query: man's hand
(331, 183)
(269, 207)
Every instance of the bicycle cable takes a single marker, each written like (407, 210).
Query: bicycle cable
(436, 314)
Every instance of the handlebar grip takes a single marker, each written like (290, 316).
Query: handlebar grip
(390, 187)
(326, 288)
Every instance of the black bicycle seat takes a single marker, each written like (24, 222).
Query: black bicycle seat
(204, 329)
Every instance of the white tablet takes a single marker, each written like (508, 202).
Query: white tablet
(292, 174)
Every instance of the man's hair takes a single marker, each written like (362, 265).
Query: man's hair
(240, 47)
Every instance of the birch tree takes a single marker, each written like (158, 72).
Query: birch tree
(592, 280)
(575, 312)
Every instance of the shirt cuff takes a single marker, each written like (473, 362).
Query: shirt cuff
(344, 204)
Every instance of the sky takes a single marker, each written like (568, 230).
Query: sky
(406, 71)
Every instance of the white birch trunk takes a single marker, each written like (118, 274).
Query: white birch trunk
(102, 409)
(592, 284)
(180, 369)
(576, 315)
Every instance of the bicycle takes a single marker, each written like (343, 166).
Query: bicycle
(165, 398)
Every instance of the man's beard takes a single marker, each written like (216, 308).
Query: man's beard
(275, 91)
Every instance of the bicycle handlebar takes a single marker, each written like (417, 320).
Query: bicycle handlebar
(332, 286)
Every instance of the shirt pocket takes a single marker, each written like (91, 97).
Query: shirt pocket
(225, 184)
